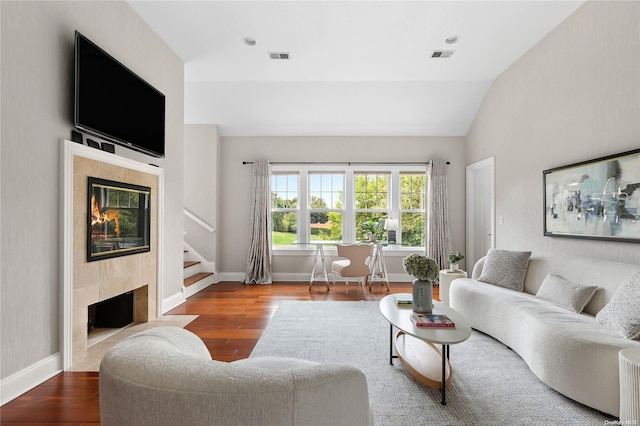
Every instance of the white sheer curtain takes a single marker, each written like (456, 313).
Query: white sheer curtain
(259, 259)
(439, 243)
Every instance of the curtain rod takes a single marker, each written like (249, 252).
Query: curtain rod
(350, 163)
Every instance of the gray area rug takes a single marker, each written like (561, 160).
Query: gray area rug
(491, 384)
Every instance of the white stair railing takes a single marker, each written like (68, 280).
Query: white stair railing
(207, 265)
(199, 221)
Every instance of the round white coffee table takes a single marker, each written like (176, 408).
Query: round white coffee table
(415, 346)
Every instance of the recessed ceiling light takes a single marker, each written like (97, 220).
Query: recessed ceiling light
(452, 39)
(249, 41)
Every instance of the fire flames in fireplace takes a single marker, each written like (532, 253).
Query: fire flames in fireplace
(118, 219)
(102, 218)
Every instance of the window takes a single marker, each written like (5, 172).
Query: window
(412, 209)
(325, 206)
(284, 208)
(314, 203)
(372, 204)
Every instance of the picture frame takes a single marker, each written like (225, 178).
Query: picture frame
(597, 199)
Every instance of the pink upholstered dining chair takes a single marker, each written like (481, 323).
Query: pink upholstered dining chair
(355, 263)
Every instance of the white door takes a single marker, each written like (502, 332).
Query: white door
(480, 211)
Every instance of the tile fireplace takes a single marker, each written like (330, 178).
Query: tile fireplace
(128, 201)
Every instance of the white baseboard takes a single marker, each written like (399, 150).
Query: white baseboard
(173, 301)
(292, 276)
(230, 276)
(301, 277)
(200, 285)
(30, 377)
(283, 276)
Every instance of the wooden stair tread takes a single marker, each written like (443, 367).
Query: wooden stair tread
(190, 263)
(195, 278)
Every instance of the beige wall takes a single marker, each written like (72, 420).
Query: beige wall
(575, 96)
(201, 181)
(236, 183)
(36, 107)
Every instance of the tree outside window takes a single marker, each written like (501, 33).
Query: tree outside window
(412, 209)
(310, 203)
(372, 204)
(326, 199)
(284, 208)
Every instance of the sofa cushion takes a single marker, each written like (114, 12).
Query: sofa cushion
(565, 293)
(622, 313)
(505, 268)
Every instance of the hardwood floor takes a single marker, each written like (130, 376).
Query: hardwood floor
(231, 319)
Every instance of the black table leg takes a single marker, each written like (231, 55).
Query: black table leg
(445, 353)
(390, 344)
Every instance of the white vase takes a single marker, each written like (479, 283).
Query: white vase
(454, 267)
(422, 296)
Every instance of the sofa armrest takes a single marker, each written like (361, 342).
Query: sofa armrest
(477, 268)
(331, 394)
(180, 339)
(318, 386)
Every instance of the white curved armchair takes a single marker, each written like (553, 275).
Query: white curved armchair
(355, 263)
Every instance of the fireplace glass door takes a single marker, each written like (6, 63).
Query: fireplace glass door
(118, 220)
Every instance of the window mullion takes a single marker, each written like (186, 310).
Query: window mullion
(303, 207)
(349, 217)
(394, 208)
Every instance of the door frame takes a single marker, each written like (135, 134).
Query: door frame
(471, 171)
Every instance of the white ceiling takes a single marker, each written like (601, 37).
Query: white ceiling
(355, 68)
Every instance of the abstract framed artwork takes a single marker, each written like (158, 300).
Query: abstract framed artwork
(597, 199)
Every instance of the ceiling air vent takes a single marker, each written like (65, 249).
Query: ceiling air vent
(279, 55)
(442, 53)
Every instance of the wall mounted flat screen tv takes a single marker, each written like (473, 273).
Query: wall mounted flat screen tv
(115, 104)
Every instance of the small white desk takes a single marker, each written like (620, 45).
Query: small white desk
(378, 267)
(318, 257)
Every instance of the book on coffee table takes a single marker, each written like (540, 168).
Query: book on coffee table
(404, 301)
(431, 320)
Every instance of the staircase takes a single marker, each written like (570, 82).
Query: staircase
(196, 275)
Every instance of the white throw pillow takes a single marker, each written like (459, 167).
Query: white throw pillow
(505, 268)
(622, 313)
(565, 293)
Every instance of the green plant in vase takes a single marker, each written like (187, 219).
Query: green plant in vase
(425, 270)
(370, 229)
(454, 259)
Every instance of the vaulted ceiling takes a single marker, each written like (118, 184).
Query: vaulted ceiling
(353, 68)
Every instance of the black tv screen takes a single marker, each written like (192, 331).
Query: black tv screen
(113, 103)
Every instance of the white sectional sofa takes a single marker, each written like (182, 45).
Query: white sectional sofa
(571, 352)
(165, 376)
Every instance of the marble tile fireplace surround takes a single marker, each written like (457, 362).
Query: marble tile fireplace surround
(86, 283)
